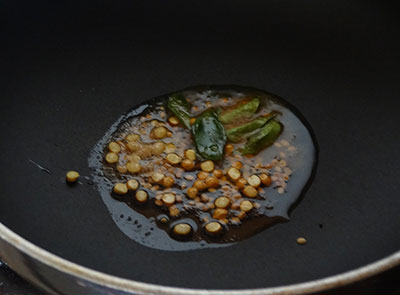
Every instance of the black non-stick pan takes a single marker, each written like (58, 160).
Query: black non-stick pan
(69, 69)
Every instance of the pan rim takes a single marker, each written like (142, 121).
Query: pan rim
(65, 266)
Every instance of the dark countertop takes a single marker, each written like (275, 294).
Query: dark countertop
(386, 283)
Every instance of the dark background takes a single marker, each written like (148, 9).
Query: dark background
(69, 69)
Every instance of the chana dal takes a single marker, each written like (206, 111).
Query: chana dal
(203, 167)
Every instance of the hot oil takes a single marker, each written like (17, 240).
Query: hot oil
(143, 222)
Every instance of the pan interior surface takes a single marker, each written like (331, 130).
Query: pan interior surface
(70, 69)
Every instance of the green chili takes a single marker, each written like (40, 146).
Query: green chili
(263, 138)
(235, 134)
(243, 111)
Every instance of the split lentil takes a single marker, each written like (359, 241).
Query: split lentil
(72, 176)
(224, 197)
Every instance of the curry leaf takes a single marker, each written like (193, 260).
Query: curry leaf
(181, 108)
(209, 136)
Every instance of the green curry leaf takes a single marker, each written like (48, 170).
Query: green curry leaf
(209, 136)
(181, 108)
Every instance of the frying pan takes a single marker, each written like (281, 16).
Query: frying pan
(69, 69)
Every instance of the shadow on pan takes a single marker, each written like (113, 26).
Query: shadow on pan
(69, 69)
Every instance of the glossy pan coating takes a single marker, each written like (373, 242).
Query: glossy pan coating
(69, 69)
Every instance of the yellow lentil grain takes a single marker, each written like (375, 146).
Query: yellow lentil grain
(222, 202)
(241, 215)
(301, 241)
(114, 147)
(168, 181)
(134, 158)
(133, 167)
(182, 229)
(120, 188)
(170, 148)
(134, 146)
(132, 137)
(234, 173)
(217, 173)
(266, 179)
(72, 176)
(237, 165)
(112, 158)
(207, 166)
(212, 181)
(173, 159)
(122, 169)
(220, 213)
(250, 191)
(168, 199)
(146, 185)
(158, 148)
(192, 192)
(229, 149)
(173, 211)
(173, 121)
(202, 175)
(241, 183)
(246, 206)
(213, 228)
(141, 196)
(187, 164)
(132, 184)
(254, 180)
(160, 132)
(190, 154)
(157, 176)
(204, 198)
(200, 185)
(237, 196)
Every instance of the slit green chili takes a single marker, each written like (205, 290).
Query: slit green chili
(243, 111)
(263, 138)
(235, 134)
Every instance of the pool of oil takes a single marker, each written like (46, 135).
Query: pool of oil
(296, 146)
